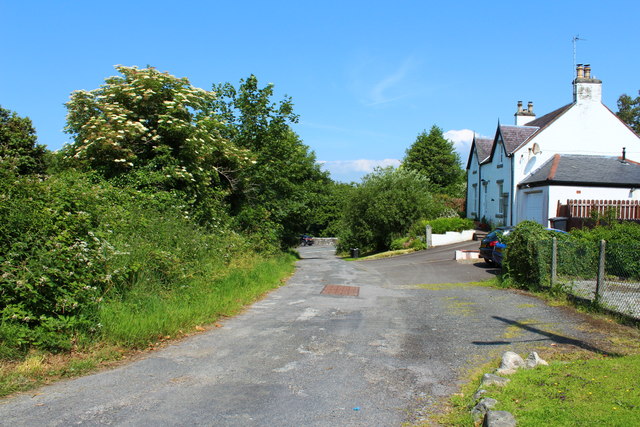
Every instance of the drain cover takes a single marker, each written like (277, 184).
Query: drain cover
(346, 291)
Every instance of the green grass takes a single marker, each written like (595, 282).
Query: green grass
(592, 392)
(601, 391)
(380, 255)
(144, 318)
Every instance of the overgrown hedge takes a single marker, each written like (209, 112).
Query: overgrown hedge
(72, 242)
(528, 255)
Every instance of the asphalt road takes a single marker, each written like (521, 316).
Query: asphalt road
(303, 358)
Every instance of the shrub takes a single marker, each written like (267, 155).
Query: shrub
(622, 250)
(407, 243)
(528, 254)
(73, 242)
(385, 204)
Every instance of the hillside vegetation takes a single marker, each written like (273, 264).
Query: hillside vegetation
(172, 206)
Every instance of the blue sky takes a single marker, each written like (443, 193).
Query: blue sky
(366, 77)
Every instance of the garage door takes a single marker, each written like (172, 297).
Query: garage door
(533, 207)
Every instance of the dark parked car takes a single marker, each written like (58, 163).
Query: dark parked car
(488, 244)
(306, 240)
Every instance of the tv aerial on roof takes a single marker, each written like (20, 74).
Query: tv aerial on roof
(575, 40)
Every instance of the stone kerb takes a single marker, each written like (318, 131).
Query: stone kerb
(483, 409)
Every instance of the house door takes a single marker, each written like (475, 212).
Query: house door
(533, 207)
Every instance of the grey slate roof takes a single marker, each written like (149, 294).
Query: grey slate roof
(483, 148)
(514, 136)
(595, 171)
(542, 122)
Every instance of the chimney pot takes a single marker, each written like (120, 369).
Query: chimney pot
(519, 106)
(624, 153)
(587, 71)
(580, 71)
(530, 107)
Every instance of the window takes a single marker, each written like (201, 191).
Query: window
(503, 201)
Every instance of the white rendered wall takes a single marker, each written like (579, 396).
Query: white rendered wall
(451, 237)
(473, 177)
(587, 128)
(492, 173)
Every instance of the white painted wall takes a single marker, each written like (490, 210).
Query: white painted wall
(499, 169)
(587, 128)
(473, 177)
(451, 237)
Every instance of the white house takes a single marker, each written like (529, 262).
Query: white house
(574, 152)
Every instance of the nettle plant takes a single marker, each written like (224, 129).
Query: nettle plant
(153, 130)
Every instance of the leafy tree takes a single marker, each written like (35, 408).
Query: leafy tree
(154, 130)
(282, 186)
(18, 148)
(434, 157)
(385, 205)
(327, 217)
(629, 111)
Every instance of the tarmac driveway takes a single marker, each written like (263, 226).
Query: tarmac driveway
(301, 357)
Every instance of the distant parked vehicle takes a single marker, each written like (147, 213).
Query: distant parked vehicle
(488, 244)
(498, 247)
(306, 240)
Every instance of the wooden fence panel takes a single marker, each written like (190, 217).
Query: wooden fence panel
(625, 209)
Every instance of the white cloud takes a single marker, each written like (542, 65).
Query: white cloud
(462, 140)
(360, 165)
(354, 170)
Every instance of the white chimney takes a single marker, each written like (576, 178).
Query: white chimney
(524, 116)
(585, 87)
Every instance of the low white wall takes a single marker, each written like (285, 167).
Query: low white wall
(451, 237)
(325, 241)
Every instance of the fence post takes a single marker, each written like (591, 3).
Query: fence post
(601, 259)
(427, 231)
(554, 260)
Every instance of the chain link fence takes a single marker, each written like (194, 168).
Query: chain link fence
(606, 273)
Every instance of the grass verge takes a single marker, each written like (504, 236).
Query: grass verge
(380, 255)
(598, 391)
(579, 387)
(145, 321)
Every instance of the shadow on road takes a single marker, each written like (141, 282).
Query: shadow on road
(491, 269)
(550, 336)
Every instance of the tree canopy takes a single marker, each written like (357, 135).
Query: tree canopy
(225, 147)
(154, 130)
(18, 148)
(433, 156)
(385, 205)
(629, 111)
(283, 185)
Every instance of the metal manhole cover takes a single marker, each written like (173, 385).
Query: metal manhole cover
(346, 291)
